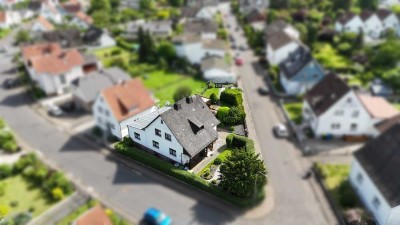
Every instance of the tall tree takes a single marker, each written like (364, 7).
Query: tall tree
(99, 5)
(243, 173)
(368, 4)
(342, 4)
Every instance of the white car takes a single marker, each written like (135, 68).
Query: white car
(281, 131)
(55, 111)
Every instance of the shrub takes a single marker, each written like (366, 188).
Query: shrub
(10, 146)
(347, 199)
(237, 141)
(24, 162)
(217, 161)
(214, 98)
(235, 115)
(182, 92)
(116, 52)
(127, 141)
(210, 85)
(215, 182)
(222, 113)
(232, 97)
(14, 204)
(57, 193)
(5, 171)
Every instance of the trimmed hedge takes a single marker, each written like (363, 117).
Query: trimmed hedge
(222, 112)
(232, 97)
(184, 176)
(237, 141)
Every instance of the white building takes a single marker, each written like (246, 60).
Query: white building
(205, 29)
(349, 22)
(82, 20)
(183, 133)
(388, 3)
(9, 18)
(246, 6)
(388, 19)
(117, 106)
(280, 46)
(49, 11)
(373, 26)
(332, 108)
(217, 70)
(375, 176)
(9, 3)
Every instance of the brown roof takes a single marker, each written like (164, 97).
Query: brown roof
(127, 99)
(51, 59)
(95, 216)
(388, 123)
(3, 16)
(82, 16)
(383, 13)
(72, 6)
(45, 23)
(346, 17)
(378, 107)
(279, 39)
(326, 93)
(366, 14)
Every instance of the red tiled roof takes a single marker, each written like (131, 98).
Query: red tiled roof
(82, 16)
(378, 107)
(45, 23)
(3, 16)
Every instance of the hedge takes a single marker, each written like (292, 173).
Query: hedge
(232, 97)
(184, 176)
(237, 141)
(222, 112)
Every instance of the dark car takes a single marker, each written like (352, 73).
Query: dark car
(68, 107)
(263, 90)
(11, 83)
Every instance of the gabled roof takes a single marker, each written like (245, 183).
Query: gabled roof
(326, 93)
(83, 17)
(383, 13)
(388, 123)
(66, 38)
(3, 16)
(95, 216)
(200, 26)
(378, 107)
(215, 44)
(191, 11)
(192, 124)
(295, 62)
(45, 23)
(380, 158)
(366, 14)
(127, 99)
(154, 26)
(215, 62)
(346, 17)
(71, 6)
(145, 120)
(279, 40)
(275, 27)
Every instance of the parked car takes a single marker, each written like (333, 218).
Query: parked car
(238, 61)
(68, 107)
(55, 111)
(155, 217)
(243, 48)
(263, 90)
(281, 131)
(11, 83)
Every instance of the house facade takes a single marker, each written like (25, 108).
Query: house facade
(279, 47)
(118, 106)
(388, 19)
(373, 26)
(49, 11)
(41, 25)
(183, 133)
(374, 176)
(349, 22)
(215, 69)
(246, 6)
(158, 29)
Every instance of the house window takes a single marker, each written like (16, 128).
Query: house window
(107, 113)
(349, 100)
(376, 202)
(339, 113)
(158, 132)
(137, 136)
(359, 178)
(335, 126)
(168, 137)
(156, 144)
(162, 122)
(99, 120)
(353, 126)
(356, 113)
(62, 79)
(172, 152)
(100, 109)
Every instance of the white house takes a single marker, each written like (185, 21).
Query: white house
(332, 108)
(246, 6)
(279, 47)
(349, 22)
(9, 18)
(183, 133)
(199, 11)
(54, 69)
(117, 106)
(375, 176)
(388, 3)
(281, 26)
(206, 29)
(373, 26)
(9, 3)
(41, 25)
(49, 11)
(96, 38)
(195, 49)
(217, 70)
(388, 19)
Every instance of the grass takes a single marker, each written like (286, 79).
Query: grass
(4, 32)
(159, 79)
(210, 91)
(294, 110)
(223, 155)
(106, 57)
(18, 190)
(78, 212)
(396, 105)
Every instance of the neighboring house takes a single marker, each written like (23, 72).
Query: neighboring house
(331, 108)
(388, 19)
(206, 29)
(86, 88)
(54, 69)
(388, 3)
(247, 6)
(9, 19)
(379, 88)
(94, 216)
(349, 22)
(117, 106)
(199, 11)
(70, 38)
(256, 18)
(135, 4)
(279, 26)
(183, 133)
(375, 176)
(279, 46)
(158, 29)
(97, 38)
(82, 20)
(373, 26)
(41, 25)
(9, 3)
(300, 72)
(49, 11)
(195, 49)
(217, 70)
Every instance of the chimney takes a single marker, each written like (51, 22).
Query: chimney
(189, 100)
(177, 106)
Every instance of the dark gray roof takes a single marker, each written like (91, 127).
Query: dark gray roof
(200, 26)
(346, 17)
(366, 14)
(295, 62)
(212, 62)
(190, 11)
(326, 93)
(154, 27)
(279, 39)
(191, 122)
(380, 158)
(92, 34)
(66, 38)
(145, 120)
(383, 13)
(87, 87)
(275, 27)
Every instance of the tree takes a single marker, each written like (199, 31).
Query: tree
(279, 4)
(146, 4)
(163, 14)
(342, 4)
(243, 173)
(101, 18)
(166, 51)
(392, 77)
(386, 56)
(312, 33)
(115, 4)
(100, 6)
(147, 48)
(22, 36)
(182, 92)
(176, 3)
(57, 193)
(368, 4)
(214, 98)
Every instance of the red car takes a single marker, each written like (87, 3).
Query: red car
(238, 62)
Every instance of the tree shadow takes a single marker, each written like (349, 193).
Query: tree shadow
(16, 100)
(207, 215)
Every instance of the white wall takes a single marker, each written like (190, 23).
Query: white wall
(219, 76)
(367, 191)
(277, 56)
(391, 22)
(354, 26)
(208, 36)
(148, 135)
(373, 27)
(194, 52)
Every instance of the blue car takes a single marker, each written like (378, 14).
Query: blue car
(156, 217)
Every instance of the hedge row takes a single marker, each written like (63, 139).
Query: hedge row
(189, 178)
(232, 96)
(237, 141)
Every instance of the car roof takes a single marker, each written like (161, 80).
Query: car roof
(153, 212)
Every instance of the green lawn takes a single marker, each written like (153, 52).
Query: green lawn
(221, 156)
(4, 32)
(396, 105)
(106, 57)
(74, 215)
(159, 79)
(210, 91)
(294, 110)
(26, 196)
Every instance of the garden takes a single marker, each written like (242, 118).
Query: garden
(4, 32)
(294, 109)
(29, 188)
(231, 113)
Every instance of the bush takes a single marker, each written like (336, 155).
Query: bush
(347, 198)
(24, 162)
(232, 97)
(217, 161)
(14, 204)
(116, 52)
(182, 92)
(222, 113)
(235, 115)
(237, 141)
(215, 182)
(57, 194)
(2, 189)
(5, 171)
(214, 98)
(127, 141)
(10, 146)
